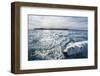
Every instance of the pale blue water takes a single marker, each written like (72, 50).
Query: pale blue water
(57, 44)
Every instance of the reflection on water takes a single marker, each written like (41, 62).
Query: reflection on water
(57, 44)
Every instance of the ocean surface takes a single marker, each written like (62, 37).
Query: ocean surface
(57, 44)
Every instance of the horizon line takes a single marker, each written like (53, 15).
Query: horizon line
(57, 29)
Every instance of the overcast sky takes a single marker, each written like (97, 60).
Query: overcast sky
(68, 22)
